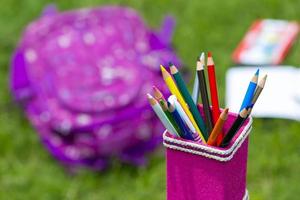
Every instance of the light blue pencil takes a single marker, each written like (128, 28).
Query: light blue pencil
(195, 93)
(161, 115)
(250, 91)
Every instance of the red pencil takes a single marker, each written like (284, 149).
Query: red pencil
(214, 94)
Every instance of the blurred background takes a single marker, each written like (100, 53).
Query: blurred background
(28, 171)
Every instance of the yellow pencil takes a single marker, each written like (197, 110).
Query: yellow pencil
(174, 90)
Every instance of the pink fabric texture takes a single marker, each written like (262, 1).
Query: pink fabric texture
(198, 171)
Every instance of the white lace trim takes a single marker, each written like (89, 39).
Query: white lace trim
(187, 145)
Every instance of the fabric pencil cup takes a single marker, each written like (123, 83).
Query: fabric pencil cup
(198, 171)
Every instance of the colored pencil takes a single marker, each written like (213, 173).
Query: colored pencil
(185, 131)
(163, 103)
(235, 127)
(214, 94)
(188, 99)
(212, 140)
(260, 87)
(161, 115)
(173, 100)
(250, 91)
(195, 92)
(174, 90)
(203, 92)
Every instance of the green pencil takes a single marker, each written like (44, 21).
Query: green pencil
(188, 99)
(161, 115)
(164, 105)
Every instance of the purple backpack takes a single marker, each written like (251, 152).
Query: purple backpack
(82, 76)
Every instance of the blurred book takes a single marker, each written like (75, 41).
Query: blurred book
(280, 97)
(266, 43)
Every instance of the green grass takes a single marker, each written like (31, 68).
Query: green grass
(27, 171)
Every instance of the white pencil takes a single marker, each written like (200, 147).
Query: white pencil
(173, 100)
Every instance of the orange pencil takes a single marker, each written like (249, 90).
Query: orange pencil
(212, 140)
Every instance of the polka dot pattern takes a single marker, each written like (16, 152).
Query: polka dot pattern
(88, 71)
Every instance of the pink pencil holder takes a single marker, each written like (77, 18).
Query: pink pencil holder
(201, 172)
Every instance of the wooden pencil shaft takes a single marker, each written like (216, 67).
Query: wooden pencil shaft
(205, 101)
(193, 108)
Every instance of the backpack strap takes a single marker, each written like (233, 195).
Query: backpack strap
(162, 38)
(167, 29)
(20, 84)
(50, 9)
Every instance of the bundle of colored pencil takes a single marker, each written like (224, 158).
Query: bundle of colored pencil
(180, 114)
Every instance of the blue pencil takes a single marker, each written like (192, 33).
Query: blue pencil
(250, 91)
(185, 131)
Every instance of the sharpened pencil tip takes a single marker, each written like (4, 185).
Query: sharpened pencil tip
(151, 100)
(209, 54)
(263, 81)
(149, 96)
(157, 94)
(257, 72)
(170, 64)
(244, 113)
(265, 77)
(162, 68)
(202, 56)
(224, 114)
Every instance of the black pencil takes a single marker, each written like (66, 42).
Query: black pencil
(235, 127)
(203, 92)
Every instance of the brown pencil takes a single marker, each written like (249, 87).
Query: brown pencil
(164, 105)
(259, 88)
(218, 128)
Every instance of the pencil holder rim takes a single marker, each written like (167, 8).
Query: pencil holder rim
(205, 150)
